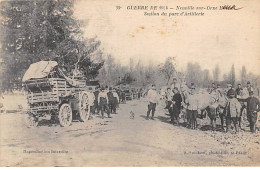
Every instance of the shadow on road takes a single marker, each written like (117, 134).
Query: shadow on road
(49, 123)
(164, 119)
(143, 116)
(209, 128)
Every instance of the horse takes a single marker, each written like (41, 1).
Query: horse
(213, 104)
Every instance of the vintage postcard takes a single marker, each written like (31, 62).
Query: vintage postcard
(129, 83)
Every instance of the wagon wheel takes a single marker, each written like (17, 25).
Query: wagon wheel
(32, 121)
(65, 115)
(84, 110)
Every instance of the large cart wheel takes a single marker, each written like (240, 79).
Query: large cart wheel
(65, 115)
(84, 110)
(32, 121)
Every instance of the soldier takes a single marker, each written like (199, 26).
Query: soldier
(96, 106)
(169, 95)
(192, 109)
(213, 89)
(176, 106)
(239, 90)
(111, 101)
(229, 87)
(232, 110)
(239, 94)
(184, 95)
(175, 84)
(91, 99)
(153, 98)
(249, 87)
(253, 106)
(103, 102)
(116, 100)
(123, 97)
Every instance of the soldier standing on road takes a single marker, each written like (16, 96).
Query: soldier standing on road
(116, 100)
(103, 102)
(232, 110)
(96, 106)
(253, 106)
(169, 95)
(239, 94)
(176, 106)
(111, 101)
(153, 98)
(91, 100)
(192, 108)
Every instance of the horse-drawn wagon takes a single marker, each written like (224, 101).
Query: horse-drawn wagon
(51, 92)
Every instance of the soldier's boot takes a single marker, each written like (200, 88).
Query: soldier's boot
(252, 127)
(237, 128)
(228, 128)
(108, 115)
(214, 125)
(147, 116)
(195, 124)
(177, 121)
(152, 115)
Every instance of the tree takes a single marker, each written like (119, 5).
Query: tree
(243, 76)
(216, 73)
(34, 30)
(206, 78)
(194, 74)
(232, 76)
(167, 69)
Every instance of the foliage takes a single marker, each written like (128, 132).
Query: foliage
(232, 76)
(216, 73)
(167, 69)
(43, 30)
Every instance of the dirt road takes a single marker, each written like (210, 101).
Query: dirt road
(122, 141)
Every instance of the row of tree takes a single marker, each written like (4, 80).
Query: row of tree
(141, 75)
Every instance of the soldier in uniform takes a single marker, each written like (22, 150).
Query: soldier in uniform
(176, 106)
(111, 101)
(213, 89)
(239, 90)
(253, 106)
(153, 98)
(249, 87)
(232, 110)
(169, 95)
(192, 109)
(116, 100)
(96, 106)
(103, 102)
(175, 84)
(91, 100)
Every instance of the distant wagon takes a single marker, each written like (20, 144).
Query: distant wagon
(51, 92)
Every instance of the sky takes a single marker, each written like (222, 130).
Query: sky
(219, 37)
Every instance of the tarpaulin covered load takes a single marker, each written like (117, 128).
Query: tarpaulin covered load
(40, 69)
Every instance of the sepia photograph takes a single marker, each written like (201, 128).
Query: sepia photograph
(133, 83)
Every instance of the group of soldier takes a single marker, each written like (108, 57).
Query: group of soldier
(237, 100)
(103, 100)
(181, 98)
